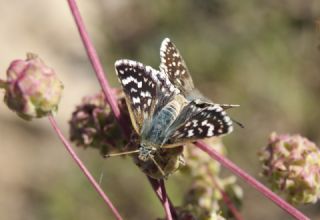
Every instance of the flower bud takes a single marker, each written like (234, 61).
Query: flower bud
(205, 197)
(93, 125)
(291, 164)
(32, 89)
(199, 163)
(234, 193)
(198, 204)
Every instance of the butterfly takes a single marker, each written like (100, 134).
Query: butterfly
(166, 110)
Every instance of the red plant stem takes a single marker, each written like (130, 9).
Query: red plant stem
(251, 181)
(165, 200)
(225, 197)
(227, 200)
(96, 64)
(83, 168)
(156, 187)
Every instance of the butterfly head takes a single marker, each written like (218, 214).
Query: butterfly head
(146, 151)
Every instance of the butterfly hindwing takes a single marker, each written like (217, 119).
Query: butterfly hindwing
(199, 120)
(174, 66)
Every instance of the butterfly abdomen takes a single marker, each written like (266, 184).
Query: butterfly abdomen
(163, 120)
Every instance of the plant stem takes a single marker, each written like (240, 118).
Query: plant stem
(165, 200)
(225, 196)
(251, 181)
(83, 168)
(227, 200)
(159, 192)
(96, 64)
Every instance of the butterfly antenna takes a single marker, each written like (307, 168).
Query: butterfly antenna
(121, 154)
(238, 123)
(158, 166)
(228, 106)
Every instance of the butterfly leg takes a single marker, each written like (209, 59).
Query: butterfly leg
(158, 166)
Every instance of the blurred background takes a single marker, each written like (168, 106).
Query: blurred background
(263, 55)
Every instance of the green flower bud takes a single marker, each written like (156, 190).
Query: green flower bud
(32, 89)
(199, 163)
(93, 125)
(291, 164)
(204, 199)
(234, 193)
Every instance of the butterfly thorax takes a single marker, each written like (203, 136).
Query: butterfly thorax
(195, 94)
(154, 131)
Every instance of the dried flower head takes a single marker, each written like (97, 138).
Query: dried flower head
(292, 165)
(93, 125)
(32, 89)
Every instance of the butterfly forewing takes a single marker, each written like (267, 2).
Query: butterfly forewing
(140, 88)
(146, 90)
(199, 120)
(174, 66)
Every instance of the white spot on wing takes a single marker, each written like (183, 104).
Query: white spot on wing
(210, 130)
(135, 100)
(190, 133)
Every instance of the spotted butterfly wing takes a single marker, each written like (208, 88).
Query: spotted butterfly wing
(145, 89)
(198, 120)
(140, 88)
(174, 66)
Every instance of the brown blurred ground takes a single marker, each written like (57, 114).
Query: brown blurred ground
(262, 55)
